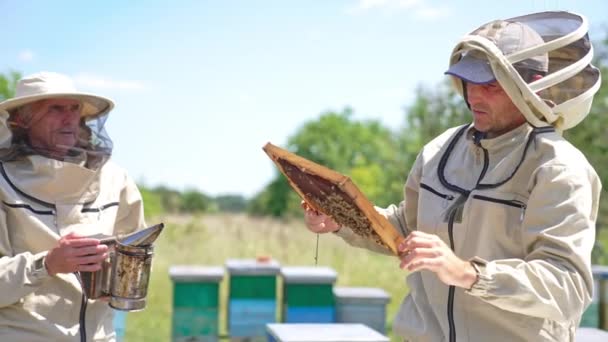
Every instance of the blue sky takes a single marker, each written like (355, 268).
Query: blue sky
(201, 86)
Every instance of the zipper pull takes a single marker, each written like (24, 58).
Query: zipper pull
(523, 211)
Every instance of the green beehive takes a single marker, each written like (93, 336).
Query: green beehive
(308, 294)
(195, 302)
(252, 296)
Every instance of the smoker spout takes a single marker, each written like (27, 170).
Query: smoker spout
(142, 237)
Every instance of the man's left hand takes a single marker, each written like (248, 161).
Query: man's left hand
(423, 251)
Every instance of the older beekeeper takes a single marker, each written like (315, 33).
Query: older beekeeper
(57, 187)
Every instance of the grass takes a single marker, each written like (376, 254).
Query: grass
(212, 239)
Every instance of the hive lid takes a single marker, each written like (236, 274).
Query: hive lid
(252, 267)
(196, 273)
(360, 294)
(308, 275)
(600, 272)
(299, 332)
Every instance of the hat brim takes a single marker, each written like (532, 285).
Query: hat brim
(472, 70)
(93, 105)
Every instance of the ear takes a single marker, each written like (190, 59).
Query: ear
(16, 119)
(536, 77)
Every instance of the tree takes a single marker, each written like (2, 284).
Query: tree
(364, 150)
(193, 201)
(152, 202)
(8, 83)
(170, 198)
(231, 203)
(434, 110)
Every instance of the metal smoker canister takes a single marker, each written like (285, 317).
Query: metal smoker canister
(131, 274)
(97, 284)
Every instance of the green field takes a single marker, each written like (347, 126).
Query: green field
(211, 239)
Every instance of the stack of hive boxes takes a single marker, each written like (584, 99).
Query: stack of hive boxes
(307, 294)
(195, 302)
(302, 295)
(366, 305)
(252, 296)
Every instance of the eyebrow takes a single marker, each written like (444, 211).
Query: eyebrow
(60, 107)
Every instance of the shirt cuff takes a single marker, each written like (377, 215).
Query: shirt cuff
(484, 282)
(37, 269)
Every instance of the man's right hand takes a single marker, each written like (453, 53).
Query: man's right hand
(318, 222)
(75, 253)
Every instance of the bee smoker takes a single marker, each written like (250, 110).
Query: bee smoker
(124, 275)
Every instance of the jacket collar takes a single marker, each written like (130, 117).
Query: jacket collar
(52, 181)
(505, 141)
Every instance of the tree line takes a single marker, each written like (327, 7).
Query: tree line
(376, 157)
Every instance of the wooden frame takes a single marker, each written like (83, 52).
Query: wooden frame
(336, 195)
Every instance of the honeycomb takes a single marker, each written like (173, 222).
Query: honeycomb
(331, 200)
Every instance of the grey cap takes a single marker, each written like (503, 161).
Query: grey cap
(509, 37)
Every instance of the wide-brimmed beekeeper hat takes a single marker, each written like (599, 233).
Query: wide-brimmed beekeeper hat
(552, 44)
(50, 85)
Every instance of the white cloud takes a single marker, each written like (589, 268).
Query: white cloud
(96, 81)
(26, 56)
(418, 8)
(431, 13)
(366, 5)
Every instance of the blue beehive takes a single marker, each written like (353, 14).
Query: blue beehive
(336, 332)
(308, 295)
(364, 305)
(119, 321)
(252, 296)
(196, 301)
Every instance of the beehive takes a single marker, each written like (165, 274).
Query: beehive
(308, 295)
(196, 308)
(252, 296)
(365, 305)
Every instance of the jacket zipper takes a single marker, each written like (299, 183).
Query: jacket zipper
(428, 188)
(452, 288)
(101, 208)
(479, 185)
(512, 203)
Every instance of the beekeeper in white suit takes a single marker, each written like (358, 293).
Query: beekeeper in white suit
(57, 186)
(499, 215)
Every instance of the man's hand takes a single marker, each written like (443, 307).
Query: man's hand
(318, 222)
(422, 251)
(75, 253)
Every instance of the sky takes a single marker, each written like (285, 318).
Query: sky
(201, 86)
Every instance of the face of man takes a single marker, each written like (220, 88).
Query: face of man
(493, 111)
(54, 125)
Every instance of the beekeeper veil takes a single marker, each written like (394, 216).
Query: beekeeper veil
(92, 146)
(554, 45)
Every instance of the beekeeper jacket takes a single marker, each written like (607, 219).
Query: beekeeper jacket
(42, 200)
(523, 207)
